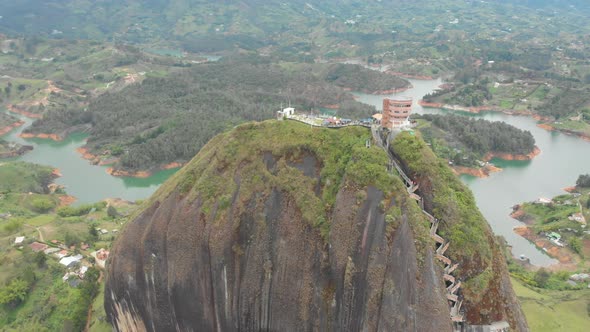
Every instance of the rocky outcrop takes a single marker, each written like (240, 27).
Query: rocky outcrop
(94, 159)
(509, 156)
(568, 260)
(18, 150)
(138, 174)
(583, 135)
(271, 274)
(480, 172)
(229, 243)
(53, 137)
(5, 130)
(281, 227)
(19, 110)
(66, 200)
(172, 165)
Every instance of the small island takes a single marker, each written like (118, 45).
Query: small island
(469, 145)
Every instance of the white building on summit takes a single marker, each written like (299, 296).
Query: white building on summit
(285, 113)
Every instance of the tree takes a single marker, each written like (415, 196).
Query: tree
(40, 259)
(541, 277)
(28, 274)
(92, 231)
(583, 181)
(14, 293)
(42, 204)
(71, 239)
(112, 212)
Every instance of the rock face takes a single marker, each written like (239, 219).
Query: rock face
(278, 227)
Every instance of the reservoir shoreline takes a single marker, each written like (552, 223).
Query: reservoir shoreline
(563, 158)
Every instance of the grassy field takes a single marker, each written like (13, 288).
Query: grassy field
(17, 90)
(576, 126)
(24, 177)
(554, 310)
(98, 322)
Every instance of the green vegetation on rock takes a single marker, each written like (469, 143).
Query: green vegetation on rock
(341, 156)
(451, 201)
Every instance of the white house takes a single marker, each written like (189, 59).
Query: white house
(19, 240)
(285, 113)
(50, 251)
(578, 217)
(543, 200)
(82, 271)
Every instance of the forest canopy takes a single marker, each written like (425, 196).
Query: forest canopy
(164, 120)
(482, 136)
(583, 181)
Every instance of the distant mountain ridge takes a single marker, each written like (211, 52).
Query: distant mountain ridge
(246, 23)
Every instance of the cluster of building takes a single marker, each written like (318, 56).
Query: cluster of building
(395, 115)
(579, 278)
(75, 263)
(579, 217)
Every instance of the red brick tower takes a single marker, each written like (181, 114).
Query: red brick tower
(396, 112)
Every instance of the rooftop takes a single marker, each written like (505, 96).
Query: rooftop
(19, 240)
(70, 259)
(400, 98)
(36, 246)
